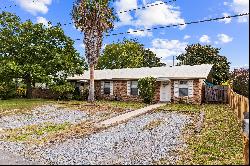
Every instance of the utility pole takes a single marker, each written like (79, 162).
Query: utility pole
(173, 60)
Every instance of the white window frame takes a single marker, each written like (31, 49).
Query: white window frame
(183, 84)
(105, 83)
(131, 87)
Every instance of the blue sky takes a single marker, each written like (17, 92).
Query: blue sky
(231, 35)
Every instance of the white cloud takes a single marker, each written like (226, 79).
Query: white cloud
(139, 33)
(205, 39)
(125, 18)
(238, 7)
(42, 20)
(223, 38)
(186, 37)
(163, 14)
(241, 6)
(226, 20)
(34, 7)
(164, 48)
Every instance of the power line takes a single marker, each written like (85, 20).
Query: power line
(161, 27)
(180, 24)
(147, 6)
(119, 12)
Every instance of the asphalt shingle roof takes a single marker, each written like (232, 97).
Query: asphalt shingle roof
(176, 72)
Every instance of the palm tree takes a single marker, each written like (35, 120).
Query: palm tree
(93, 18)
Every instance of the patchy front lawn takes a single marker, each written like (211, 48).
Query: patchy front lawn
(220, 140)
(20, 106)
(67, 134)
(43, 121)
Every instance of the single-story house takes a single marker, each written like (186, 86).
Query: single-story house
(173, 83)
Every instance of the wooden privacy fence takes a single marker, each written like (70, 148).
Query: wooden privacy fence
(216, 94)
(240, 105)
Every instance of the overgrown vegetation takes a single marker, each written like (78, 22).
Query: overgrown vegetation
(63, 90)
(240, 80)
(7, 90)
(197, 54)
(147, 88)
(218, 143)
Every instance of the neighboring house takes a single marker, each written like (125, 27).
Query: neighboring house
(173, 83)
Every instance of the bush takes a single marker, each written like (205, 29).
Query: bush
(147, 88)
(240, 79)
(7, 90)
(77, 94)
(63, 90)
(80, 94)
(85, 93)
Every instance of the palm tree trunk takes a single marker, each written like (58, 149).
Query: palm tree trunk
(91, 97)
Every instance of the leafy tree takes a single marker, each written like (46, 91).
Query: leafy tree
(240, 80)
(147, 88)
(197, 54)
(35, 53)
(7, 90)
(62, 89)
(127, 54)
(93, 18)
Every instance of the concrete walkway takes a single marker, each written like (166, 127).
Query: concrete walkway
(129, 115)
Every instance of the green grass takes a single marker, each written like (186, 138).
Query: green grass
(21, 103)
(33, 133)
(181, 107)
(20, 106)
(220, 140)
(122, 104)
(118, 104)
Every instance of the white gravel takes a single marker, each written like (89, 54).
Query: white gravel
(46, 113)
(127, 143)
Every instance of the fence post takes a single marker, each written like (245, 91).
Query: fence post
(242, 108)
(246, 150)
(234, 103)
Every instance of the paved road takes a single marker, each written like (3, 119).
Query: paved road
(7, 158)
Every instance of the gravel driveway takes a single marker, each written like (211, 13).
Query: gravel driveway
(129, 143)
(39, 115)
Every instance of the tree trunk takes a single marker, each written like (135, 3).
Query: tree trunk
(91, 97)
(29, 86)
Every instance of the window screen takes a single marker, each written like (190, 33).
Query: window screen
(106, 88)
(134, 88)
(183, 92)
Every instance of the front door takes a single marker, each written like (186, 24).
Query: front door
(165, 91)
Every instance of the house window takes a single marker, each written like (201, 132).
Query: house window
(107, 88)
(183, 88)
(183, 92)
(134, 88)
